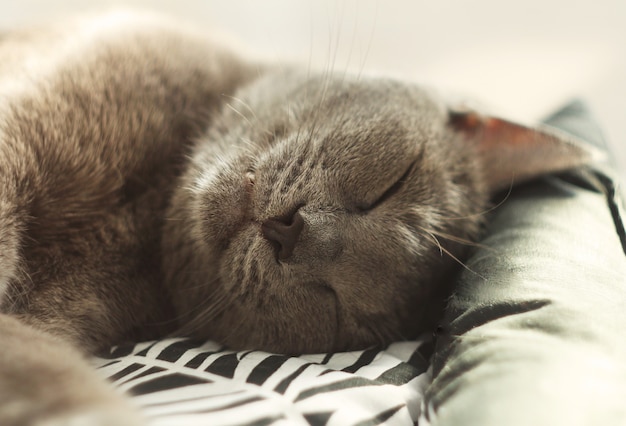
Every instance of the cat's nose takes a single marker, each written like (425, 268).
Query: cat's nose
(283, 233)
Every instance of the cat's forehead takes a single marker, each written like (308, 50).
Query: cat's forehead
(368, 97)
(361, 113)
(344, 138)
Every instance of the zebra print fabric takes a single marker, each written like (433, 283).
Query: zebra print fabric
(184, 382)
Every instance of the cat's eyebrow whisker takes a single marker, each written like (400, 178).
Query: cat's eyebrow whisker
(240, 114)
(369, 44)
(351, 49)
(332, 54)
(248, 145)
(245, 104)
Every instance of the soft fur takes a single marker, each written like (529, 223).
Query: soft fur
(139, 165)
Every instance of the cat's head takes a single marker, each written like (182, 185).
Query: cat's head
(325, 213)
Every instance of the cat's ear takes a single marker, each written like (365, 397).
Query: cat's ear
(511, 153)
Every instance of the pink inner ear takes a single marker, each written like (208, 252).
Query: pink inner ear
(496, 132)
(512, 153)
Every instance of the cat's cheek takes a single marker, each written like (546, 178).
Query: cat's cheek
(379, 292)
(243, 262)
(220, 198)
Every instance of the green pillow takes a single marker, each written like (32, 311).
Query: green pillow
(535, 333)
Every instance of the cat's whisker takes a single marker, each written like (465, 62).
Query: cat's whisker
(457, 260)
(201, 285)
(486, 211)
(435, 239)
(173, 219)
(206, 316)
(461, 240)
(218, 303)
(448, 253)
(383, 334)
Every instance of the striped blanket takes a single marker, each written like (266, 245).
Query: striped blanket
(184, 382)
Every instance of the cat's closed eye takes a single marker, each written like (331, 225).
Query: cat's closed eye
(389, 192)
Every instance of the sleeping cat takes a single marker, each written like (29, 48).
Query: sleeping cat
(154, 182)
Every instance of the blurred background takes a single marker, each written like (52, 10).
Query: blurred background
(519, 59)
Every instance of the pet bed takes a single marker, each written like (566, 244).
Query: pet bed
(532, 335)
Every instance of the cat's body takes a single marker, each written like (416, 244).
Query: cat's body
(95, 127)
(152, 181)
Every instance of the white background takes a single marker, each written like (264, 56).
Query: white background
(521, 59)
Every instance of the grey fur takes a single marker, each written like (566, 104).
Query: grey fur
(138, 162)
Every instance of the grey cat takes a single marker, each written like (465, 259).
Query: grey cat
(152, 181)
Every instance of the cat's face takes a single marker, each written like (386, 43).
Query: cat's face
(322, 214)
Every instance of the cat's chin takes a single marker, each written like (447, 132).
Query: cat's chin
(301, 317)
(287, 306)
(304, 319)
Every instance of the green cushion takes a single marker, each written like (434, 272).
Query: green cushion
(535, 333)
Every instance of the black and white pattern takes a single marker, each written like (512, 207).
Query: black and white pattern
(182, 382)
